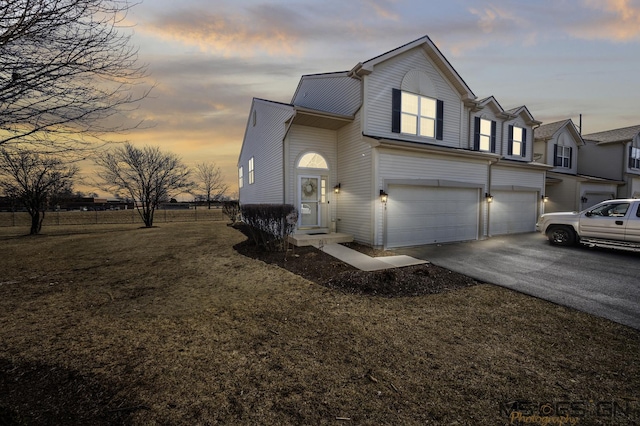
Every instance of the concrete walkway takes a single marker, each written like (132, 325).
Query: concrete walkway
(368, 263)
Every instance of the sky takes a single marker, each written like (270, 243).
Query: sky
(207, 60)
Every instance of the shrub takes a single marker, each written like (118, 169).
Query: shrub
(270, 224)
(231, 209)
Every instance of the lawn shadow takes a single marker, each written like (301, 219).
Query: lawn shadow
(35, 393)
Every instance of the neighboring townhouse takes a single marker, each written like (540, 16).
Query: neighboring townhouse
(614, 154)
(566, 188)
(397, 151)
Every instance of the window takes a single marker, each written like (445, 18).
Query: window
(611, 210)
(418, 115)
(240, 177)
(634, 157)
(313, 160)
(251, 171)
(323, 190)
(562, 156)
(485, 135)
(517, 141)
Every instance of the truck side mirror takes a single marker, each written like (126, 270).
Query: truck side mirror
(588, 214)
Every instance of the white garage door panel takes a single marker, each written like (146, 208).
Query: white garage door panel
(513, 212)
(424, 215)
(594, 198)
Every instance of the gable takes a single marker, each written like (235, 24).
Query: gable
(336, 93)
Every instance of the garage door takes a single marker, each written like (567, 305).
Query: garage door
(594, 198)
(419, 215)
(513, 212)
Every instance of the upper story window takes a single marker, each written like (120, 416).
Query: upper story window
(418, 115)
(251, 171)
(634, 157)
(313, 160)
(562, 156)
(484, 135)
(517, 141)
(240, 177)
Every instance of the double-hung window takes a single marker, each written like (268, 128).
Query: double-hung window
(240, 177)
(251, 172)
(517, 141)
(634, 157)
(562, 156)
(484, 135)
(419, 115)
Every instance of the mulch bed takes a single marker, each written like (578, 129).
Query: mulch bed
(321, 268)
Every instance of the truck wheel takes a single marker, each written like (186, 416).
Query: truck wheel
(561, 236)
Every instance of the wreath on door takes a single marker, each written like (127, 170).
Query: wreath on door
(309, 188)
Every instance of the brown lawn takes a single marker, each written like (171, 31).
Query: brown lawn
(112, 324)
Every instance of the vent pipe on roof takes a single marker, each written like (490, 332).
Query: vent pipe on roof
(580, 125)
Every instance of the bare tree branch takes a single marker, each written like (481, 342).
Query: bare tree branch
(67, 72)
(34, 180)
(147, 175)
(210, 181)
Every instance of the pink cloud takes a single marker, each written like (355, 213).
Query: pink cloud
(619, 20)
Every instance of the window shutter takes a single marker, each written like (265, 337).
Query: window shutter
(396, 106)
(570, 156)
(493, 136)
(439, 119)
(524, 142)
(510, 147)
(476, 135)
(631, 162)
(556, 160)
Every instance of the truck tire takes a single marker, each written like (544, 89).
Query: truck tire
(561, 236)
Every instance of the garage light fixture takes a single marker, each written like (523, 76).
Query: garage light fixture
(488, 196)
(544, 198)
(384, 197)
(336, 189)
(584, 199)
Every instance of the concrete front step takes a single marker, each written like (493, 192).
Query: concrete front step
(319, 240)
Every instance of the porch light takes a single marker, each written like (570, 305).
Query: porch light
(584, 199)
(336, 189)
(384, 197)
(488, 196)
(544, 198)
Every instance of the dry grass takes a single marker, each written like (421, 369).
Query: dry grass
(169, 325)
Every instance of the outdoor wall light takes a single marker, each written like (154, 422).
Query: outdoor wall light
(489, 197)
(584, 199)
(384, 197)
(336, 189)
(544, 198)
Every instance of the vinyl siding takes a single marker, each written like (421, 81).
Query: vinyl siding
(355, 170)
(502, 177)
(605, 161)
(389, 75)
(263, 142)
(334, 93)
(303, 139)
(563, 196)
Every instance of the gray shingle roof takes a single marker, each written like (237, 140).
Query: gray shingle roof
(616, 135)
(547, 130)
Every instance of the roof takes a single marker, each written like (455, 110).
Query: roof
(624, 134)
(547, 131)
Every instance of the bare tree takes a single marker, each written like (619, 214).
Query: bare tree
(66, 70)
(210, 181)
(34, 181)
(148, 175)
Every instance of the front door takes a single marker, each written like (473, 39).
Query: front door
(309, 196)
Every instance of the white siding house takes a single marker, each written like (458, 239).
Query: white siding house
(568, 187)
(404, 125)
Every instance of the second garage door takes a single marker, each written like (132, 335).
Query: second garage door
(513, 212)
(419, 215)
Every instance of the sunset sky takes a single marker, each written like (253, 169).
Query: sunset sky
(209, 59)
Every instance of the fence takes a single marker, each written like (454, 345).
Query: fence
(110, 217)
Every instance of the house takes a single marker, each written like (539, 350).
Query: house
(614, 154)
(397, 151)
(568, 187)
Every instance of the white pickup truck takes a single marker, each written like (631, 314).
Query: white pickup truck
(611, 224)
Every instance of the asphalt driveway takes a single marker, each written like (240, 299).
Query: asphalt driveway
(601, 282)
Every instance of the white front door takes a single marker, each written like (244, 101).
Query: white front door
(309, 196)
